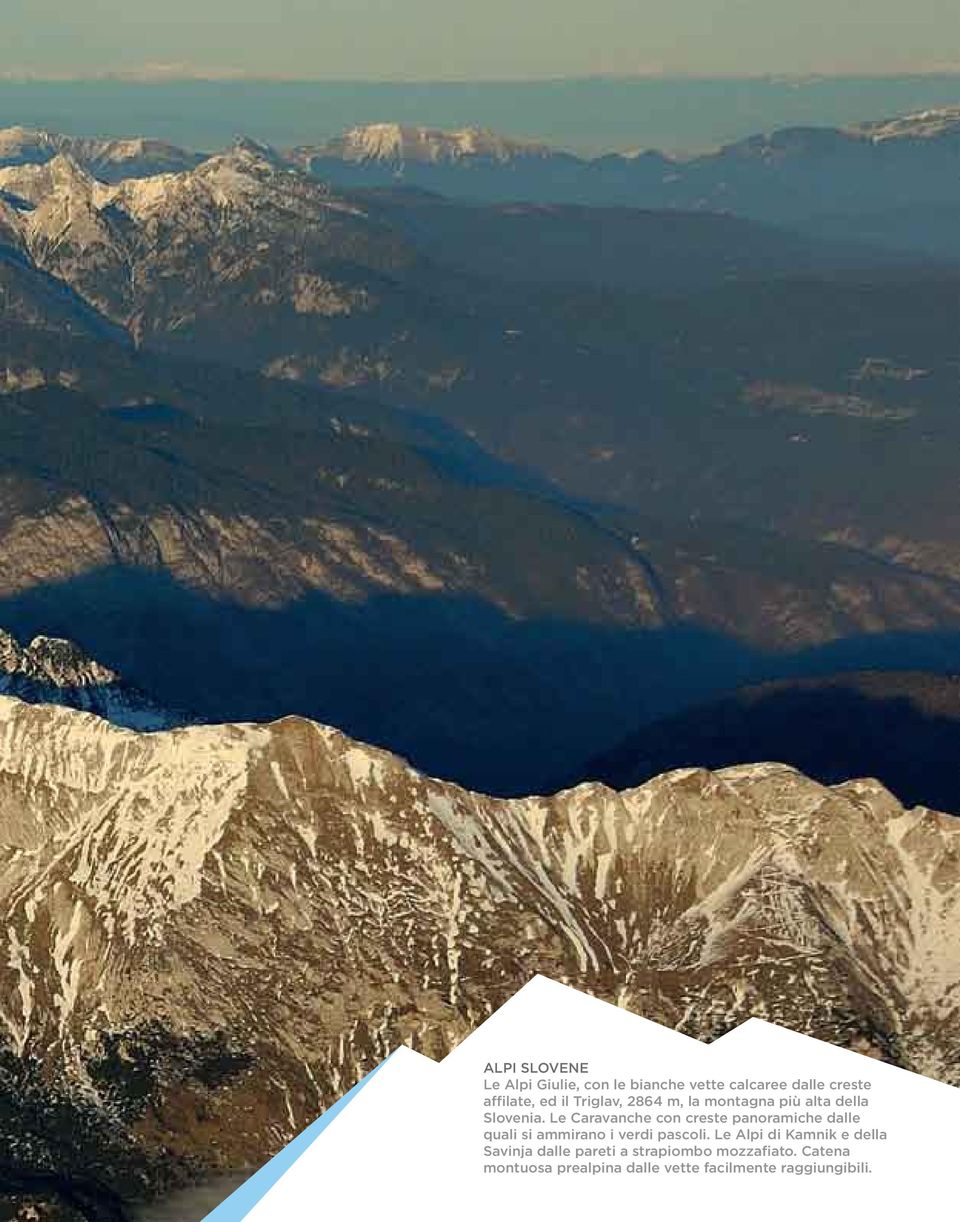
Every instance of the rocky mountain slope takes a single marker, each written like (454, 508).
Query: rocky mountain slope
(213, 478)
(620, 378)
(106, 159)
(213, 227)
(242, 547)
(53, 671)
(238, 565)
(214, 932)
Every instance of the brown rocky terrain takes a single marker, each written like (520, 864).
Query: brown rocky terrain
(214, 932)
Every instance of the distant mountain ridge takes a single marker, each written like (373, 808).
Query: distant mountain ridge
(808, 175)
(890, 181)
(107, 159)
(398, 143)
(931, 124)
(207, 384)
(819, 178)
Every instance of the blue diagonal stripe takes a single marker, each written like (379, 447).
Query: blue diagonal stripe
(238, 1204)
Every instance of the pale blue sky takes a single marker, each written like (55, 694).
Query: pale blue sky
(480, 39)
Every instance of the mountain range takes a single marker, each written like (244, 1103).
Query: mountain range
(893, 181)
(248, 412)
(214, 932)
(106, 159)
(584, 471)
(890, 181)
(225, 542)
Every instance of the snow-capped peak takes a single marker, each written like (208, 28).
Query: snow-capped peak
(255, 152)
(398, 142)
(921, 125)
(19, 145)
(52, 660)
(61, 175)
(51, 670)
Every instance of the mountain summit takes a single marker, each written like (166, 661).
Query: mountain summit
(214, 932)
(50, 670)
(399, 143)
(107, 159)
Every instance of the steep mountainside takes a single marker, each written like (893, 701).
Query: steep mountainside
(762, 398)
(31, 298)
(53, 671)
(265, 515)
(232, 567)
(241, 547)
(214, 229)
(246, 544)
(214, 932)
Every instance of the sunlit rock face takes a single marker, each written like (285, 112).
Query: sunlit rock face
(215, 931)
(53, 671)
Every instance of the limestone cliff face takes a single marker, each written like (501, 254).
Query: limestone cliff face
(214, 931)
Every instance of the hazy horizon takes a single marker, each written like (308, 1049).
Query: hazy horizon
(171, 74)
(589, 115)
(438, 40)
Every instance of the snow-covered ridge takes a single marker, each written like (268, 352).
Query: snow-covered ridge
(25, 144)
(52, 660)
(922, 125)
(110, 158)
(250, 824)
(114, 160)
(50, 670)
(397, 142)
(63, 174)
(61, 200)
(312, 903)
